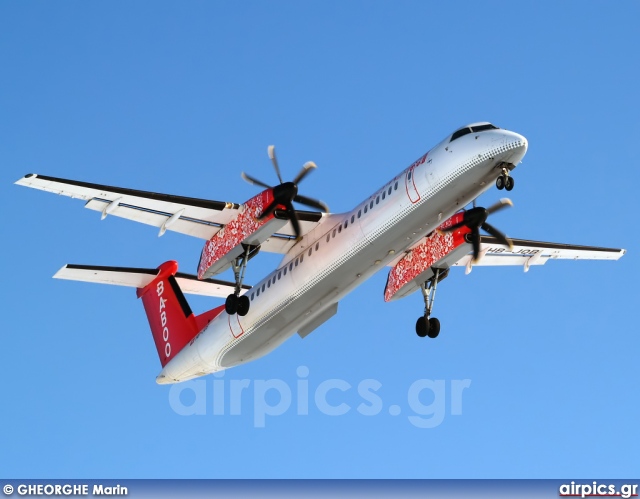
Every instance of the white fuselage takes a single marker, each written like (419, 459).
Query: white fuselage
(346, 249)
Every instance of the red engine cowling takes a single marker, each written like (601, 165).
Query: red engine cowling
(415, 268)
(226, 244)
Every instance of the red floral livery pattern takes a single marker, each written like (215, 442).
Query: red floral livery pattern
(236, 231)
(422, 257)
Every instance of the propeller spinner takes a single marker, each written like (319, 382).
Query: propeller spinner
(476, 219)
(286, 193)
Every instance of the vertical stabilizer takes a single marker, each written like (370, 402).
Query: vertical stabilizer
(172, 322)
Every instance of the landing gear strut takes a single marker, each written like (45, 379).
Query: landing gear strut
(236, 304)
(427, 325)
(505, 181)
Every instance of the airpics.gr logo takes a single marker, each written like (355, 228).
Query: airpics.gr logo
(425, 400)
(596, 489)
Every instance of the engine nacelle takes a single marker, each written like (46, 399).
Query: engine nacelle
(226, 244)
(439, 249)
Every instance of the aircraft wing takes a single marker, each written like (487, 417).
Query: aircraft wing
(195, 217)
(437, 252)
(526, 253)
(139, 278)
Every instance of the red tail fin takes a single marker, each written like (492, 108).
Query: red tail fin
(172, 322)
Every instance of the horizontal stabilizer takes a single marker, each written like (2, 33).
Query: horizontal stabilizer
(139, 278)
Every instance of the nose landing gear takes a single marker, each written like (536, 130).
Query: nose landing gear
(505, 181)
(427, 325)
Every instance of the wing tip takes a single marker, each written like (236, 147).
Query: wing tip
(23, 179)
(58, 274)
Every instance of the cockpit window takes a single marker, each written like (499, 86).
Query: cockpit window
(466, 130)
(459, 133)
(482, 128)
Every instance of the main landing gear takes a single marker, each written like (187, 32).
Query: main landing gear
(505, 181)
(427, 325)
(236, 304)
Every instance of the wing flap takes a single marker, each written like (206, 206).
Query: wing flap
(139, 278)
(182, 224)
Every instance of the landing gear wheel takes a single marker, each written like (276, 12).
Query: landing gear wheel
(434, 328)
(231, 304)
(422, 327)
(500, 182)
(509, 183)
(235, 303)
(243, 305)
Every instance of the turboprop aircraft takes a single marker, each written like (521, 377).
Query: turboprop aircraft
(415, 225)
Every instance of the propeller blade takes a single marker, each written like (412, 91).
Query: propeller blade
(313, 203)
(500, 205)
(452, 228)
(272, 154)
(306, 168)
(475, 241)
(268, 210)
(254, 181)
(293, 218)
(498, 235)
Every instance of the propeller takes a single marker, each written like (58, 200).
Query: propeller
(285, 193)
(476, 219)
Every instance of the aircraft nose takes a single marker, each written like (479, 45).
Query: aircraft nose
(515, 146)
(518, 141)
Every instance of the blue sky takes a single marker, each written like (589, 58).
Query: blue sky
(180, 98)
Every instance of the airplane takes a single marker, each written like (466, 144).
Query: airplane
(416, 224)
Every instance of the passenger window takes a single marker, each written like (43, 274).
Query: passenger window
(346, 223)
(377, 199)
(296, 262)
(396, 186)
(410, 172)
(258, 292)
(389, 192)
(291, 266)
(371, 204)
(334, 232)
(263, 287)
(269, 283)
(279, 275)
(353, 217)
(285, 271)
(339, 229)
(251, 296)
(328, 237)
(310, 250)
(317, 246)
(301, 258)
(384, 194)
(359, 213)
(366, 206)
